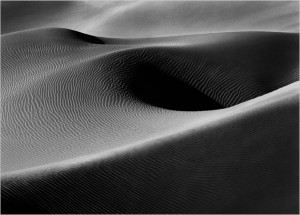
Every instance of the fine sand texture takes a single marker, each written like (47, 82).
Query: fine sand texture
(196, 122)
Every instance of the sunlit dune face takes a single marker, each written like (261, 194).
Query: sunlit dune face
(152, 19)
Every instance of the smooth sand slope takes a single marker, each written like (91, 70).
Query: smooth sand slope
(206, 123)
(136, 19)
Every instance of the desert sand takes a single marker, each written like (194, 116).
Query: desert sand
(107, 112)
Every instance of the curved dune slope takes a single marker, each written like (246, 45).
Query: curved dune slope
(134, 19)
(203, 123)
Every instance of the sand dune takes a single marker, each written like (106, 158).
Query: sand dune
(199, 123)
(133, 19)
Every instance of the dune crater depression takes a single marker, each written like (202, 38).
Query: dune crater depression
(186, 123)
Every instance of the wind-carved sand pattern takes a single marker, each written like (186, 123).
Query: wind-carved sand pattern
(194, 122)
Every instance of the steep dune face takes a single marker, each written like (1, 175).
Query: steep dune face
(105, 118)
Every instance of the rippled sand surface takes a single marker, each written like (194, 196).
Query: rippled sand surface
(108, 109)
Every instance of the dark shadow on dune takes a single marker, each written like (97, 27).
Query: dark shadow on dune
(157, 88)
(15, 206)
(87, 38)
